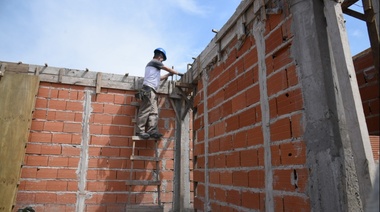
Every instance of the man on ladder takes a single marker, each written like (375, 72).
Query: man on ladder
(147, 117)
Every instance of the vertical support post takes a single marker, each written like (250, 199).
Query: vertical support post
(352, 118)
(177, 158)
(83, 162)
(205, 79)
(185, 162)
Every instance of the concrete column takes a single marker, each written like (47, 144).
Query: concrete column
(185, 162)
(205, 78)
(258, 33)
(352, 109)
(83, 162)
(332, 120)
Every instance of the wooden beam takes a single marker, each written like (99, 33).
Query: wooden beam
(355, 14)
(98, 82)
(347, 3)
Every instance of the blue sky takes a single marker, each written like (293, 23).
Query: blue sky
(119, 36)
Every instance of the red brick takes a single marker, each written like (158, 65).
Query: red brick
(96, 186)
(250, 58)
(57, 104)
(256, 179)
(225, 178)
(277, 82)
(293, 153)
(63, 94)
(37, 125)
(280, 130)
(53, 126)
(290, 180)
(70, 151)
(97, 208)
(74, 106)
(25, 198)
(233, 159)
(43, 92)
(41, 103)
(46, 173)
(51, 149)
(253, 95)
(121, 120)
(219, 128)
(289, 102)
(109, 98)
(255, 136)
(58, 161)
(97, 108)
(250, 200)
(297, 125)
(34, 160)
(273, 41)
(226, 143)
(232, 123)
(64, 116)
(239, 102)
(61, 138)
(292, 76)
(282, 58)
(33, 148)
(240, 178)
(72, 128)
(113, 109)
(40, 137)
(240, 140)
(275, 155)
(113, 152)
(46, 198)
(248, 158)
(39, 114)
(66, 174)
(35, 185)
(247, 117)
(233, 197)
(53, 185)
(295, 203)
(28, 172)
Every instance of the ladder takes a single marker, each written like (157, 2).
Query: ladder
(133, 182)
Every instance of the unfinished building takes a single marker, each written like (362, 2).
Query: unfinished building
(273, 115)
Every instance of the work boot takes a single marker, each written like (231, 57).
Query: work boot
(155, 135)
(143, 135)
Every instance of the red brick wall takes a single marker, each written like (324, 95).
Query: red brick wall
(51, 172)
(235, 140)
(368, 81)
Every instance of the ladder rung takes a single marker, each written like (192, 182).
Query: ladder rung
(137, 138)
(142, 182)
(145, 208)
(148, 158)
(135, 104)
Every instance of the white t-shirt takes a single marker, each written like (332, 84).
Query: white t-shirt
(152, 74)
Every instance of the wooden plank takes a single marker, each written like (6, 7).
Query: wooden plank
(98, 82)
(17, 95)
(144, 208)
(142, 182)
(146, 158)
(137, 138)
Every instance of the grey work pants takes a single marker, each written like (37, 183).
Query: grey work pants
(148, 113)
